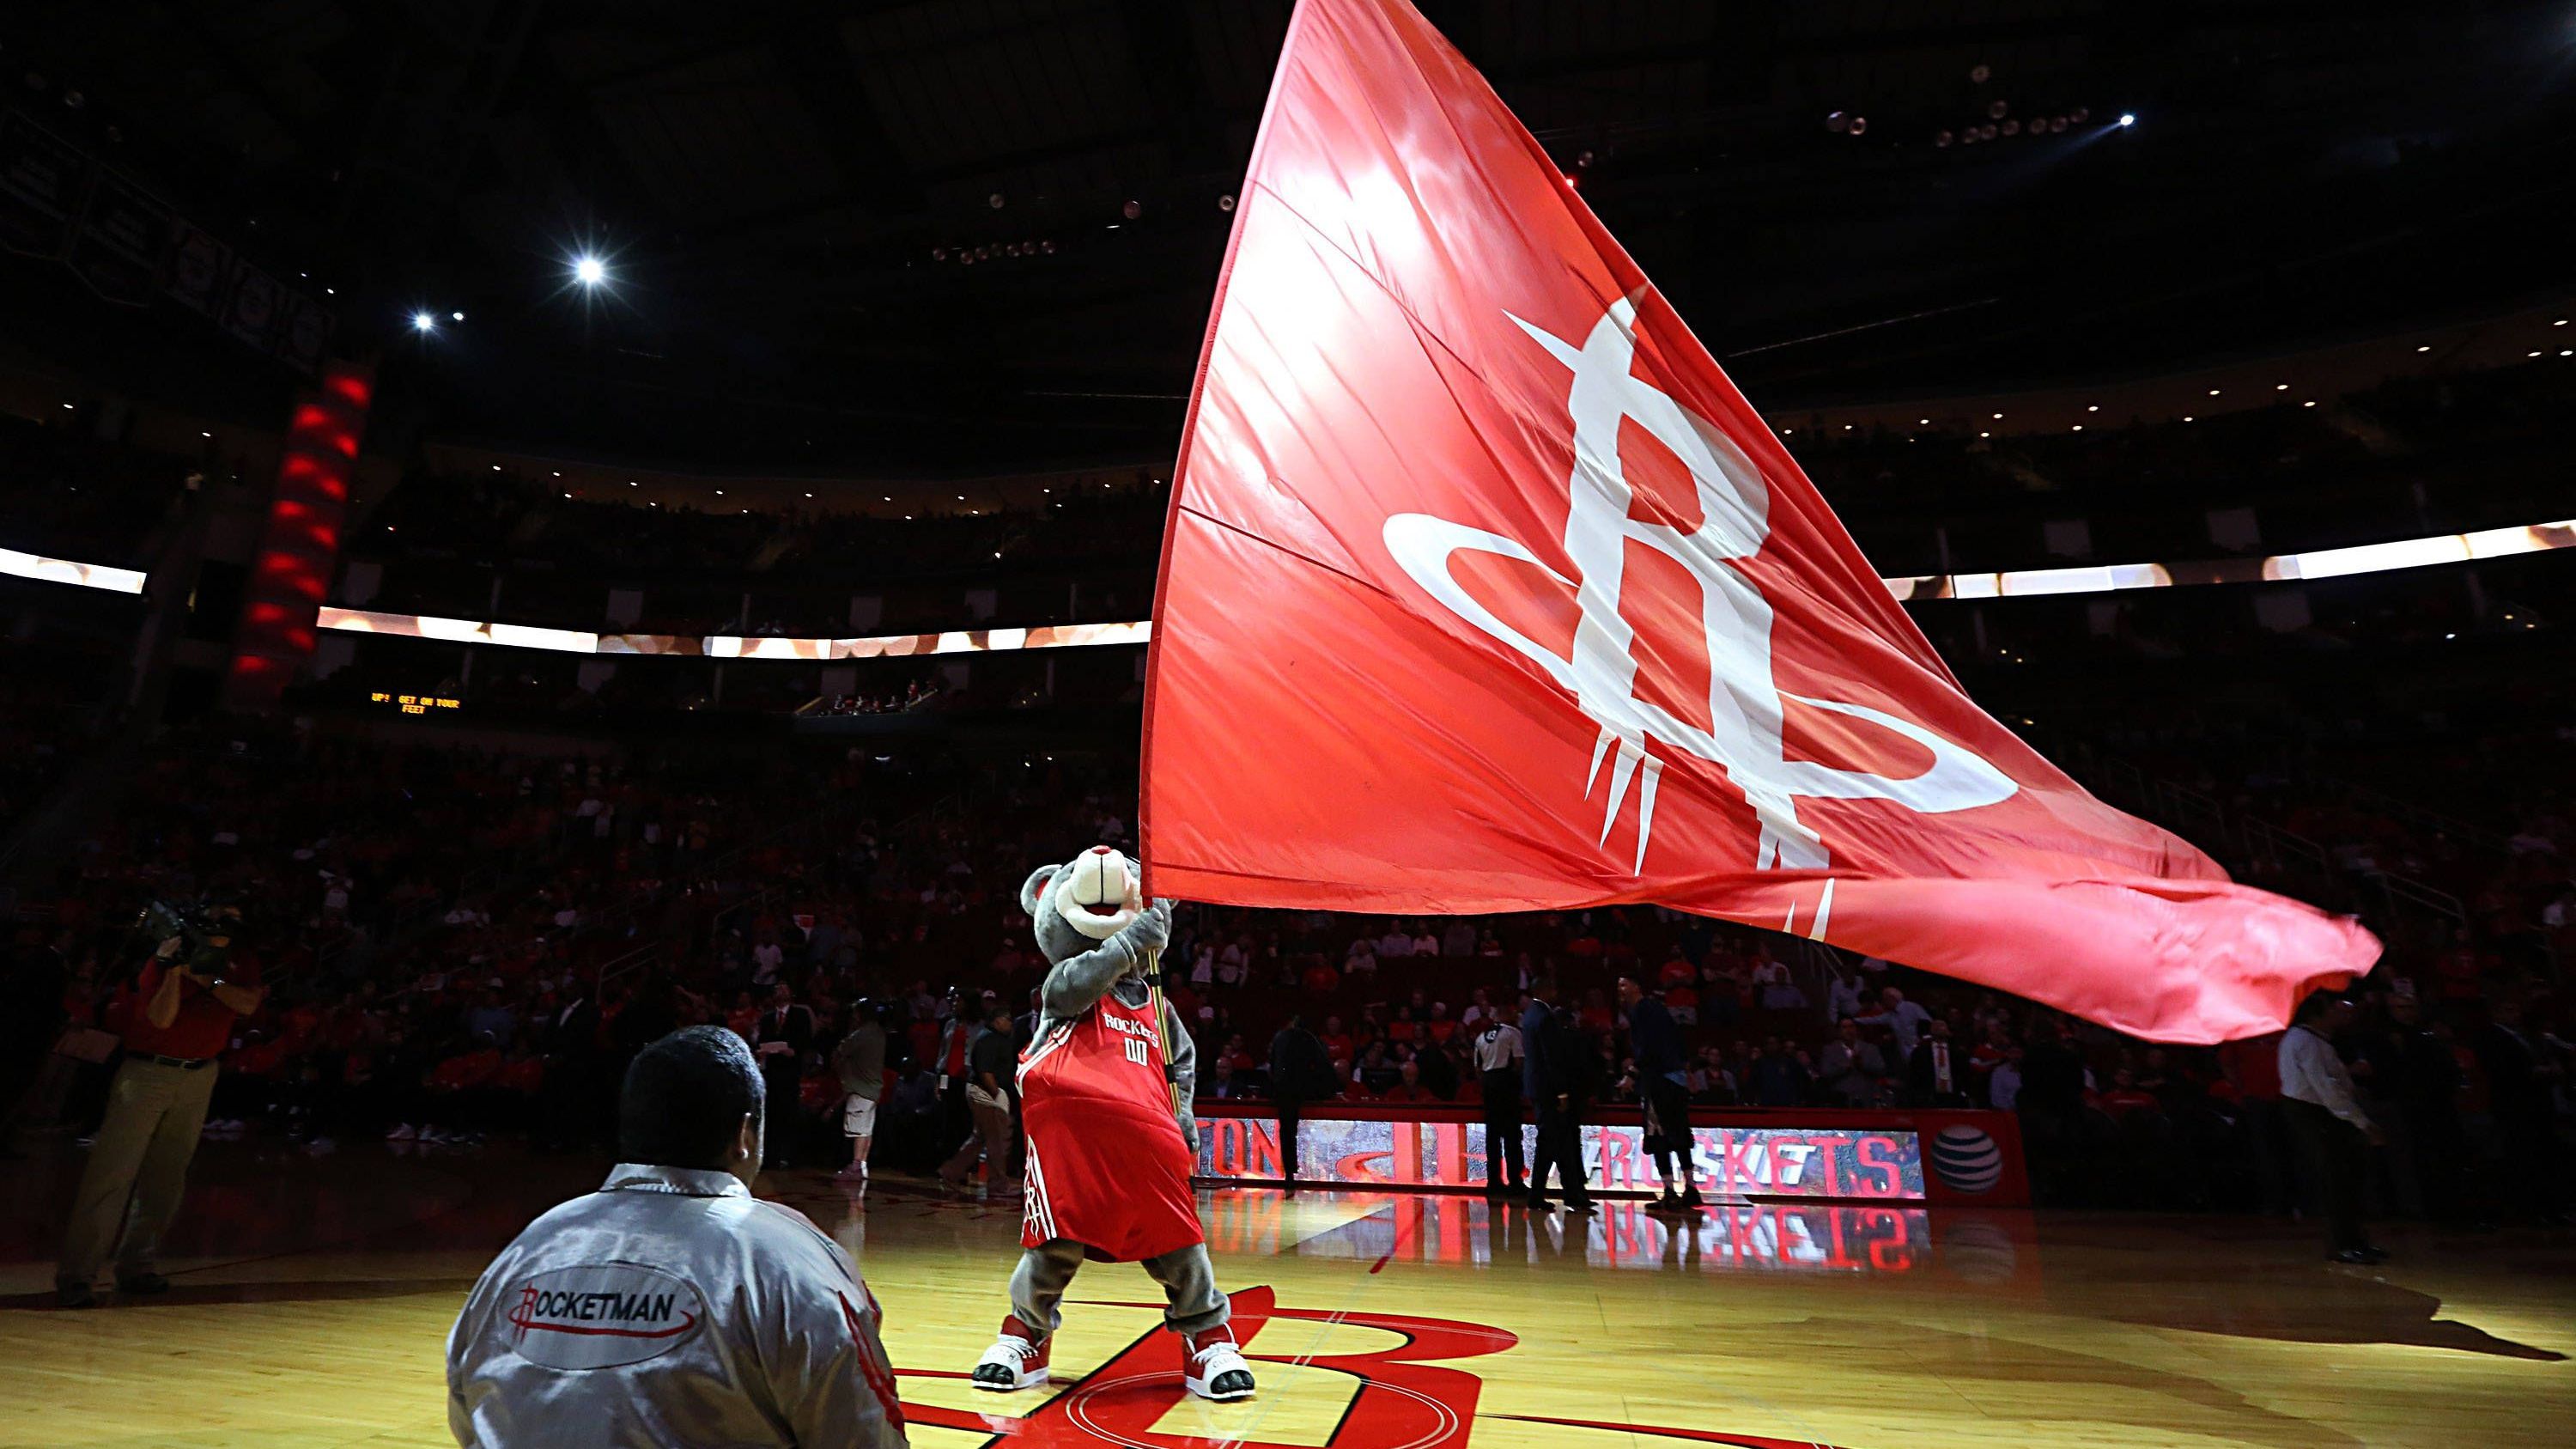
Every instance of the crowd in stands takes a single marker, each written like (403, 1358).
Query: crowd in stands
(464, 944)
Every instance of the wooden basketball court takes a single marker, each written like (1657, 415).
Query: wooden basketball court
(313, 1297)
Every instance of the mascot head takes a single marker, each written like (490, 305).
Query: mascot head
(1077, 905)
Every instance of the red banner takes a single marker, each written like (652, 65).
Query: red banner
(1485, 590)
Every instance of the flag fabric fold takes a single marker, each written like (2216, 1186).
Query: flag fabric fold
(1485, 590)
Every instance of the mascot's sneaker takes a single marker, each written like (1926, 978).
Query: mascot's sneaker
(1017, 1361)
(1212, 1368)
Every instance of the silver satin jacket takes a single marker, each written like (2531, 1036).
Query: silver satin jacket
(671, 1307)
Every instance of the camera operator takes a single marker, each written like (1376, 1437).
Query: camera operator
(186, 1000)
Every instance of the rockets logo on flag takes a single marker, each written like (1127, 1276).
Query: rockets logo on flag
(1744, 707)
(1485, 590)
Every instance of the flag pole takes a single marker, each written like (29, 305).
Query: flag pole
(1162, 1023)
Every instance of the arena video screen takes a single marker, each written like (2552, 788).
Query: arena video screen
(1810, 1162)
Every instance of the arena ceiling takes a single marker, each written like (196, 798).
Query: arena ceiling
(785, 193)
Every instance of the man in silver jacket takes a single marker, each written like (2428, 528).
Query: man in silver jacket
(672, 1306)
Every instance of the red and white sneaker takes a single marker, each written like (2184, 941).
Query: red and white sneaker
(1212, 1368)
(1017, 1360)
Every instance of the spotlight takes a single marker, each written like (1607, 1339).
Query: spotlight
(1132, 210)
(1859, 124)
(2280, 387)
(1837, 122)
(423, 322)
(1225, 203)
(2127, 119)
(2427, 347)
(459, 316)
(589, 271)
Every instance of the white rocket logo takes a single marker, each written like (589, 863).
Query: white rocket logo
(1744, 704)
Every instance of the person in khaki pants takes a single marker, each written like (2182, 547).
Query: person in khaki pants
(138, 1166)
(992, 1065)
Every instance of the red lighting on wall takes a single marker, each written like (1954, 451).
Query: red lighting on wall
(301, 545)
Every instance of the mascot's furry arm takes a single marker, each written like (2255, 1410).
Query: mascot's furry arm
(1074, 983)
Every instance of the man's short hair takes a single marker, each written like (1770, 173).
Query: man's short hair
(685, 1099)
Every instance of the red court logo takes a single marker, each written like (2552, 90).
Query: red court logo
(1407, 1397)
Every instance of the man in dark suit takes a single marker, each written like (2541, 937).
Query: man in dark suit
(1300, 1072)
(1933, 1073)
(576, 1084)
(786, 1033)
(1556, 1072)
(2520, 1076)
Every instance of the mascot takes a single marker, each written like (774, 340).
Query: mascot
(1111, 1139)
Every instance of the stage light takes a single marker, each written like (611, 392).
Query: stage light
(1925, 422)
(2533, 354)
(1837, 122)
(2093, 407)
(2427, 347)
(422, 322)
(994, 201)
(1225, 203)
(2280, 387)
(2126, 119)
(1942, 138)
(2186, 417)
(1859, 124)
(2213, 392)
(2079, 115)
(205, 435)
(1999, 417)
(1985, 435)
(2312, 402)
(1132, 210)
(1996, 110)
(2079, 427)
(459, 316)
(1978, 74)
(2012, 128)
(589, 271)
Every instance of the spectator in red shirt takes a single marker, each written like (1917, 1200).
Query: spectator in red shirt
(138, 1165)
(1337, 1042)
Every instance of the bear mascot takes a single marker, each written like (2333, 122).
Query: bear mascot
(1111, 1141)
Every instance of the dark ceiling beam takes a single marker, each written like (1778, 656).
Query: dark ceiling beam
(813, 49)
(1185, 109)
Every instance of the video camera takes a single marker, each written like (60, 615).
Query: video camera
(204, 928)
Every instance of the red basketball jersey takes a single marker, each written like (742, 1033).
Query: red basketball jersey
(1113, 1055)
(1107, 1166)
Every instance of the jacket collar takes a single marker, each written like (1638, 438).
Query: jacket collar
(683, 1181)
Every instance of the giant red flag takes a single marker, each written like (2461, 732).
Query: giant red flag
(1484, 590)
